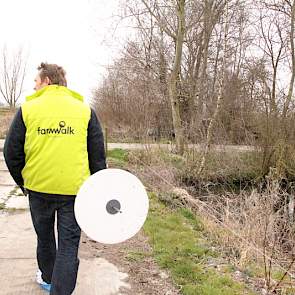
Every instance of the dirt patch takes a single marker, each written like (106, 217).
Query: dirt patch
(135, 258)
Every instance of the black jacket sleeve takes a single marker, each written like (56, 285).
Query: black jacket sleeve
(95, 145)
(14, 148)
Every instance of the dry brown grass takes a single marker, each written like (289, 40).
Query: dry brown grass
(150, 165)
(6, 117)
(250, 232)
(248, 227)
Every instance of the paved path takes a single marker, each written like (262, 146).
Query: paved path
(135, 146)
(97, 276)
(18, 264)
(6, 182)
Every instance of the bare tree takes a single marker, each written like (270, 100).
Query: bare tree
(219, 98)
(276, 30)
(12, 74)
(175, 74)
(174, 71)
(177, 35)
(292, 49)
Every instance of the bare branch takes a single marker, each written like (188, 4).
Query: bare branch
(12, 76)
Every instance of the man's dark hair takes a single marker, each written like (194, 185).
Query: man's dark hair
(55, 74)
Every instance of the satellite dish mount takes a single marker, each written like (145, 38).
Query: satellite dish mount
(113, 207)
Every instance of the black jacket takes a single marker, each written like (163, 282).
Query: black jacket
(15, 140)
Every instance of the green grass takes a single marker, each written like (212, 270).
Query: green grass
(178, 245)
(117, 158)
(118, 154)
(137, 256)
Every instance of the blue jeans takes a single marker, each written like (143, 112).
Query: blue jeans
(59, 266)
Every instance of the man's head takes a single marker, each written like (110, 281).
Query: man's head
(50, 74)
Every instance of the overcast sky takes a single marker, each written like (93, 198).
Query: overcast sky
(76, 34)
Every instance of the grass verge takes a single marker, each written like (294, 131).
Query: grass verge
(117, 157)
(176, 236)
(227, 170)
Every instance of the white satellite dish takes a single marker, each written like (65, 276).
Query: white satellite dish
(111, 206)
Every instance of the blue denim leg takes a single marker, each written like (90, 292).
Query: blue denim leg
(43, 216)
(67, 263)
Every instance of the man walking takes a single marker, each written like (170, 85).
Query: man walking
(54, 143)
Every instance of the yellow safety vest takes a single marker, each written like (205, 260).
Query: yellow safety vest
(56, 121)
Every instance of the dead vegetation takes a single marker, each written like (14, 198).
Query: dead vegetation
(6, 116)
(251, 226)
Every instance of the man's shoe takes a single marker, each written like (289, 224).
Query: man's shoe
(45, 286)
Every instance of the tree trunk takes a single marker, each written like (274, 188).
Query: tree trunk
(208, 27)
(175, 78)
(291, 85)
(219, 100)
